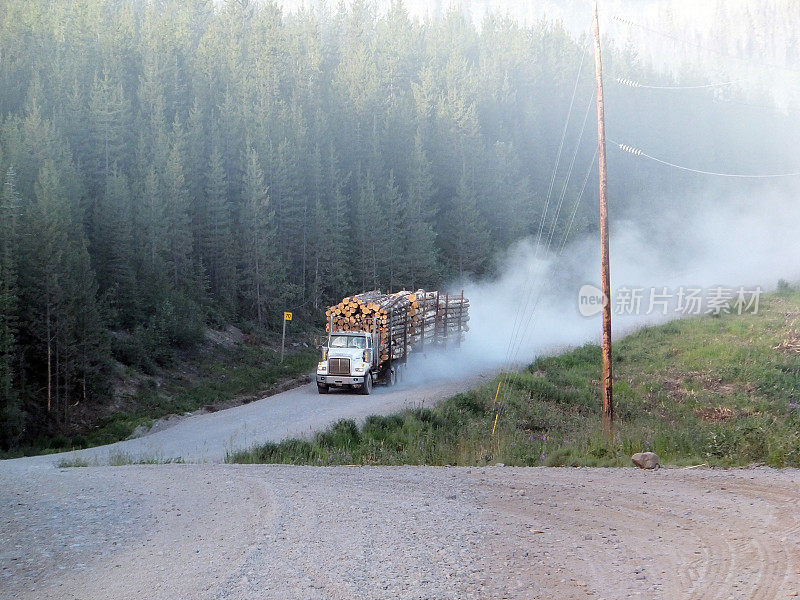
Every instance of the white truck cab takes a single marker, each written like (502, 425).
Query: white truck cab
(350, 360)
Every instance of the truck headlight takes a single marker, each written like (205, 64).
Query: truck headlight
(359, 369)
(322, 366)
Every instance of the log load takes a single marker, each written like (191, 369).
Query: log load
(404, 321)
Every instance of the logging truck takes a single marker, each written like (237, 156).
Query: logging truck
(370, 336)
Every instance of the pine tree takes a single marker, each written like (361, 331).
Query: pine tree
(176, 203)
(196, 164)
(290, 209)
(108, 112)
(420, 253)
(152, 228)
(215, 243)
(318, 229)
(113, 248)
(258, 253)
(42, 293)
(370, 226)
(466, 237)
(396, 209)
(11, 416)
(85, 349)
(334, 273)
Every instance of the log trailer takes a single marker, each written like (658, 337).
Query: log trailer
(371, 335)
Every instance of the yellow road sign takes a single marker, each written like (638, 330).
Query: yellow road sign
(287, 316)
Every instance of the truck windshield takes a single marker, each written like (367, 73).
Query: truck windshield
(348, 341)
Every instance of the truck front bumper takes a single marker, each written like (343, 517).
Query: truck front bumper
(335, 380)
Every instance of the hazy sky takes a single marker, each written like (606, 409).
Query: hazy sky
(682, 27)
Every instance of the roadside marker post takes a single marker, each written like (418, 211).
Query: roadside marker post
(494, 406)
(287, 316)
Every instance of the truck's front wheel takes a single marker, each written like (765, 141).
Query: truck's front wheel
(322, 389)
(366, 389)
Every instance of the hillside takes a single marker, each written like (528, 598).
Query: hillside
(171, 166)
(716, 390)
(224, 370)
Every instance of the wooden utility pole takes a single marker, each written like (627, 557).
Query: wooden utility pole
(608, 403)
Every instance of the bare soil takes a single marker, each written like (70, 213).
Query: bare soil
(242, 532)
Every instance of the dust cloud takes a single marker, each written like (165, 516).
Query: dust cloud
(726, 246)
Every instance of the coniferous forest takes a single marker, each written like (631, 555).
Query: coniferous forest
(171, 165)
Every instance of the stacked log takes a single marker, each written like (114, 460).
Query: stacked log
(403, 321)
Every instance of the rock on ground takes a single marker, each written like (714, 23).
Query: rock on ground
(645, 460)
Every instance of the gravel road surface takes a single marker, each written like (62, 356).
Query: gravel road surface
(241, 532)
(244, 532)
(301, 411)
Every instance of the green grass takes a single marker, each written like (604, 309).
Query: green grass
(701, 390)
(248, 370)
(118, 460)
(69, 463)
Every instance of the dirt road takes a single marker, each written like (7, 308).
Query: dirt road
(253, 532)
(301, 411)
(278, 532)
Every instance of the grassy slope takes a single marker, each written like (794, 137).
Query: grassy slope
(216, 378)
(701, 390)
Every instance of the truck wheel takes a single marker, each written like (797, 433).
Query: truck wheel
(322, 389)
(366, 389)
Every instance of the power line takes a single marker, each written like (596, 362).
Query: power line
(523, 324)
(569, 171)
(638, 152)
(704, 48)
(521, 308)
(577, 202)
(518, 332)
(533, 316)
(560, 149)
(636, 84)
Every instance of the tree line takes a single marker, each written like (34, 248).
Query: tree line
(168, 165)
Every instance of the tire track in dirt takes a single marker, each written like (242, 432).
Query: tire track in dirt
(242, 532)
(708, 550)
(778, 562)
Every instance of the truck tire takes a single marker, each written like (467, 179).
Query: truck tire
(366, 389)
(322, 389)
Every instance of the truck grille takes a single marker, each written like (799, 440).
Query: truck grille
(339, 366)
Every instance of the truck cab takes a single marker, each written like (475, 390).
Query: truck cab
(347, 361)
(351, 360)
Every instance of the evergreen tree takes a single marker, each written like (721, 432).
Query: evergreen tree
(466, 234)
(397, 154)
(370, 227)
(290, 209)
(334, 249)
(420, 253)
(396, 209)
(258, 256)
(108, 112)
(82, 344)
(176, 205)
(152, 228)
(215, 243)
(13, 421)
(113, 248)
